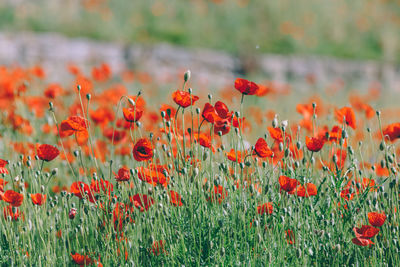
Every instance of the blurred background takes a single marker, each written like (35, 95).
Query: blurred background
(285, 40)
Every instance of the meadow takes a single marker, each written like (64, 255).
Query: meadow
(348, 29)
(117, 170)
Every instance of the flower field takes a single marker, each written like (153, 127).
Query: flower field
(118, 170)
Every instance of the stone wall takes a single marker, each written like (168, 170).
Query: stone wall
(54, 52)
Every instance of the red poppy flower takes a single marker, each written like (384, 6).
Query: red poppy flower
(152, 176)
(175, 199)
(132, 114)
(38, 199)
(290, 238)
(235, 156)
(276, 134)
(80, 189)
(82, 260)
(142, 202)
(218, 194)
(2, 184)
(123, 174)
(12, 212)
(47, 152)
(261, 149)
(362, 242)
(13, 198)
(265, 208)
(3, 164)
(307, 190)
(184, 99)
(314, 144)
(392, 131)
(104, 185)
(288, 184)
(169, 111)
(376, 219)
(142, 150)
(222, 125)
(209, 113)
(222, 110)
(348, 115)
(75, 125)
(158, 247)
(246, 87)
(366, 231)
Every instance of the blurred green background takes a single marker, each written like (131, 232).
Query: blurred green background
(362, 29)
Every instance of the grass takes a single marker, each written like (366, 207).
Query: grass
(348, 29)
(209, 228)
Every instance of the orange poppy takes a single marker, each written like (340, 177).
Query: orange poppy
(288, 184)
(38, 199)
(142, 201)
(47, 152)
(184, 99)
(13, 198)
(175, 199)
(142, 150)
(3, 164)
(307, 190)
(376, 219)
(314, 144)
(246, 87)
(261, 149)
(265, 208)
(132, 114)
(348, 115)
(123, 174)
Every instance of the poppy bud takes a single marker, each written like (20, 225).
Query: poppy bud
(378, 113)
(275, 122)
(186, 76)
(381, 146)
(190, 90)
(72, 213)
(198, 111)
(168, 124)
(28, 163)
(393, 170)
(163, 114)
(88, 96)
(209, 97)
(383, 163)
(298, 144)
(284, 124)
(390, 159)
(138, 124)
(150, 190)
(79, 87)
(76, 153)
(54, 171)
(51, 106)
(281, 146)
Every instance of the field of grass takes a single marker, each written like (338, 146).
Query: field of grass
(105, 170)
(342, 28)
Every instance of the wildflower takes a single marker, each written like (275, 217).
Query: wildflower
(290, 238)
(82, 260)
(47, 152)
(75, 125)
(314, 144)
(123, 174)
(219, 193)
(376, 219)
(288, 184)
(13, 198)
(81, 190)
(261, 149)
(265, 208)
(158, 247)
(142, 150)
(175, 198)
(12, 212)
(235, 156)
(246, 87)
(3, 164)
(307, 190)
(142, 201)
(347, 114)
(38, 199)
(132, 114)
(72, 213)
(184, 99)
(222, 125)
